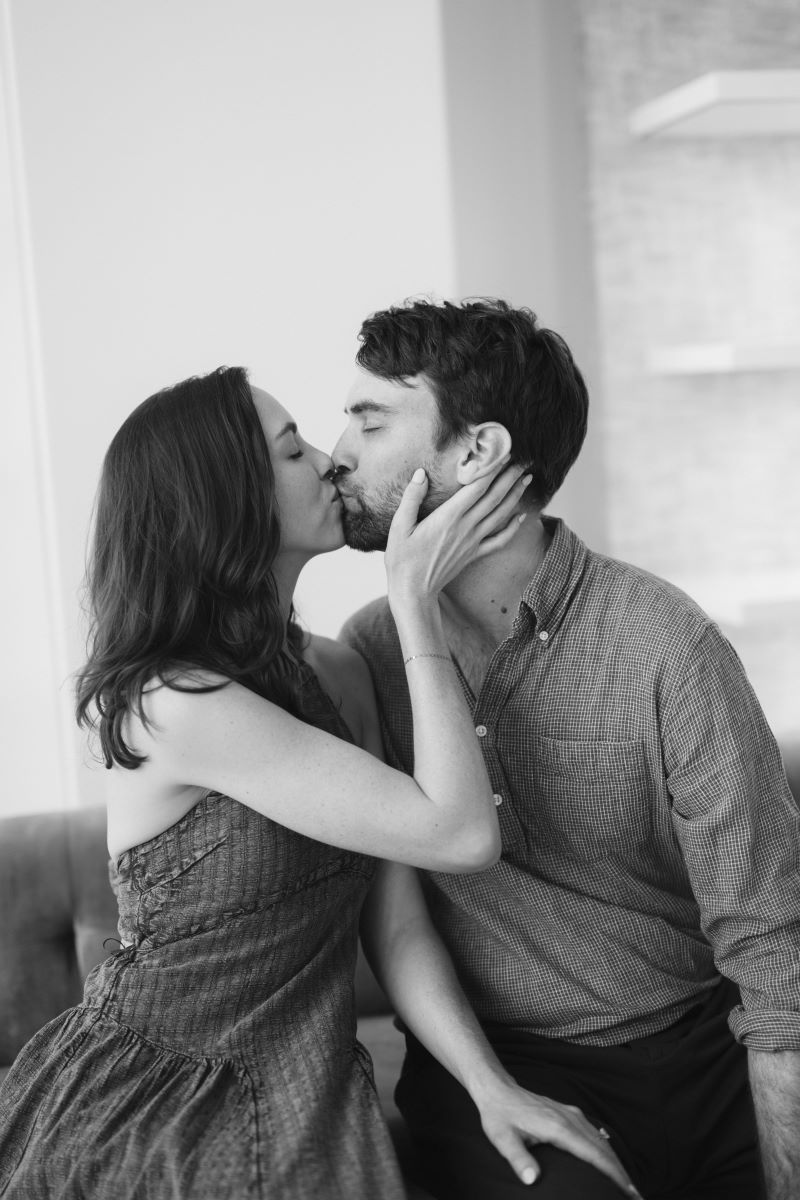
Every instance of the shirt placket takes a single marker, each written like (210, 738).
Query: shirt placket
(495, 692)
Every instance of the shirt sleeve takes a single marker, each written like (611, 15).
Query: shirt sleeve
(351, 635)
(739, 829)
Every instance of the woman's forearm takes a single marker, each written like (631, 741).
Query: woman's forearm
(415, 970)
(448, 762)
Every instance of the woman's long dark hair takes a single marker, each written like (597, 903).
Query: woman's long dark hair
(180, 572)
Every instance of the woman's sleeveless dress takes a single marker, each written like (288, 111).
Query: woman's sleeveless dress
(214, 1056)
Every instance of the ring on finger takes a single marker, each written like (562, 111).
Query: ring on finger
(603, 1133)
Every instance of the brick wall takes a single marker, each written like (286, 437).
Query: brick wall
(698, 240)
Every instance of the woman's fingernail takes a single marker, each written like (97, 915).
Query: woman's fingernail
(529, 1175)
(521, 517)
(418, 476)
(526, 479)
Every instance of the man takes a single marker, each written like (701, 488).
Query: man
(636, 951)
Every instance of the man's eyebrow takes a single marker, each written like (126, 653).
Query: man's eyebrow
(289, 427)
(364, 406)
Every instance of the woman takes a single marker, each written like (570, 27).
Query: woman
(215, 1054)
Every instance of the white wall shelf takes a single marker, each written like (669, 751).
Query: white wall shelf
(717, 358)
(725, 104)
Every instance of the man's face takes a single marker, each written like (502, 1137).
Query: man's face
(391, 430)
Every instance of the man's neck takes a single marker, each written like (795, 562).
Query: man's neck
(481, 603)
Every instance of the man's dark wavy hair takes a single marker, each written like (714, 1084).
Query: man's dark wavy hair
(487, 361)
(180, 572)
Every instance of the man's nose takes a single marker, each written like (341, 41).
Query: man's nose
(342, 459)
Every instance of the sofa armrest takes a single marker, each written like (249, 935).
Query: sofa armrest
(58, 908)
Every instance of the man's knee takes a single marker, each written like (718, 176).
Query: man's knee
(456, 1169)
(457, 1161)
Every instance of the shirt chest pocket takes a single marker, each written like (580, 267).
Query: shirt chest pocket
(589, 799)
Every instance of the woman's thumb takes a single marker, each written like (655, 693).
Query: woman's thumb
(518, 1156)
(405, 518)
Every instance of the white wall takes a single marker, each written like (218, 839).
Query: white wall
(219, 183)
(33, 725)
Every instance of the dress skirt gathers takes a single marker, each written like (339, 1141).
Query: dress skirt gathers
(214, 1056)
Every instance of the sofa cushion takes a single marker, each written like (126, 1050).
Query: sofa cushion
(58, 909)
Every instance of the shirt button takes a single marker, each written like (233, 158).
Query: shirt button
(544, 635)
(498, 799)
(481, 730)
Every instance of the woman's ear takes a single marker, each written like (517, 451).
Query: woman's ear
(482, 449)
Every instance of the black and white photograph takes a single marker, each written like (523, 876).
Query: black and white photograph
(400, 511)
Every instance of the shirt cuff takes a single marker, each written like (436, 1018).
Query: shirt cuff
(765, 1029)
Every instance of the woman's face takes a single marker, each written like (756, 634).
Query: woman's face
(308, 503)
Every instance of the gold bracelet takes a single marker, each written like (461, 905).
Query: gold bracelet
(411, 657)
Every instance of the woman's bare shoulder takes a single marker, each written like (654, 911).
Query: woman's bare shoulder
(184, 699)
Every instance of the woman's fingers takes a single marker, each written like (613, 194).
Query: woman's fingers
(579, 1137)
(502, 537)
(490, 520)
(501, 523)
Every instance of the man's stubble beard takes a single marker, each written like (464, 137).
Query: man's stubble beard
(366, 528)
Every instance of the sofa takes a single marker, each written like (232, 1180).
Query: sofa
(57, 910)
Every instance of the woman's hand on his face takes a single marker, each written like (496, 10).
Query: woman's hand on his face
(423, 556)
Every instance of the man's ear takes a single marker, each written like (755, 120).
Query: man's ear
(481, 450)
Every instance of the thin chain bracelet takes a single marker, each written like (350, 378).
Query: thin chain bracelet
(411, 657)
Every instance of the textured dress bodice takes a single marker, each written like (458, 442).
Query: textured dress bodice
(267, 914)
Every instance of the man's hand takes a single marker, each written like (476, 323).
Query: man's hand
(513, 1119)
(775, 1083)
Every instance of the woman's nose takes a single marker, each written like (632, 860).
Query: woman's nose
(327, 469)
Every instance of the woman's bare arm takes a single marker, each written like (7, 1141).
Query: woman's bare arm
(235, 742)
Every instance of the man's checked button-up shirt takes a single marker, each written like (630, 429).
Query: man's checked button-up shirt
(650, 840)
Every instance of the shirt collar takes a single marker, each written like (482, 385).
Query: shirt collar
(551, 589)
